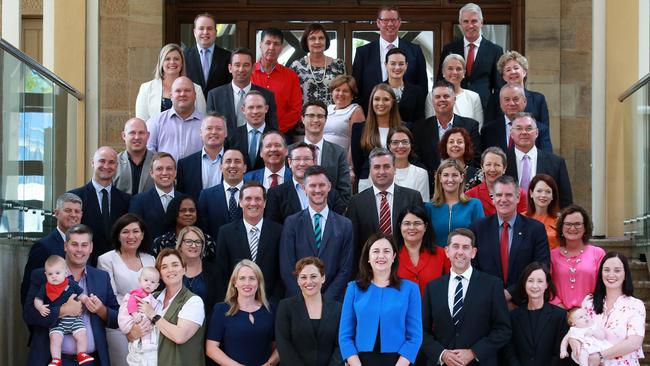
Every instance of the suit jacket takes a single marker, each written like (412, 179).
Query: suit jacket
(484, 325)
(493, 133)
(213, 210)
(218, 74)
(539, 346)
(411, 105)
(51, 244)
(189, 173)
(485, 79)
(535, 105)
(92, 216)
(335, 161)
(283, 201)
(258, 175)
(149, 207)
(366, 68)
(122, 179)
(550, 164)
(365, 218)
(98, 283)
(232, 247)
(298, 343)
(239, 141)
(336, 250)
(529, 244)
(222, 101)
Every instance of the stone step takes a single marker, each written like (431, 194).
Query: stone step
(621, 244)
(639, 270)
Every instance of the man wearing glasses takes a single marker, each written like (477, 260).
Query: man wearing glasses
(369, 68)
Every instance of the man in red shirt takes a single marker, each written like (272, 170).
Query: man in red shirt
(281, 80)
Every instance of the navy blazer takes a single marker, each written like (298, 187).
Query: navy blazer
(232, 247)
(535, 105)
(92, 216)
(484, 325)
(366, 68)
(283, 201)
(218, 74)
(213, 210)
(485, 78)
(336, 250)
(239, 141)
(529, 244)
(98, 283)
(258, 175)
(51, 244)
(189, 174)
(493, 133)
(222, 101)
(411, 105)
(550, 164)
(149, 207)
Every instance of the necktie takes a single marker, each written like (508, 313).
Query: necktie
(505, 239)
(318, 235)
(458, 301)
(232, 203)
(274, 180)
(252, 148)
(164, 199)
(384, 215)
(525, 173)
(255, 239)
(106, 213)
(510, 141)
(302, 196)
(390, 46)
(205, 63)
(470, 59)
(241, 120)
(315, 153)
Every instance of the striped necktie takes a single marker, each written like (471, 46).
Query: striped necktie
(384, 215)
(255, 239)
(458, 301)
(318, 235)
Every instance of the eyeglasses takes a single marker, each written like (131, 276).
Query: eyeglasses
(575, 225)
(415, 224)
(187, 210)
(192, 243)
(527, 129)
(397, 143)
(314, 115)
(302, 160)
(389, 20)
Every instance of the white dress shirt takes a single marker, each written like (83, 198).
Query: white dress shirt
(389, 197)
(383, 50)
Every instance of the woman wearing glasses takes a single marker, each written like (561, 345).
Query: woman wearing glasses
(575, 263)
(406, 174)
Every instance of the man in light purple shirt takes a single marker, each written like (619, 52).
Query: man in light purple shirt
(177, 130)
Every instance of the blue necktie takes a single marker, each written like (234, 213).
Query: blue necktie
(252, 149)
(458, 301)
(318, 235)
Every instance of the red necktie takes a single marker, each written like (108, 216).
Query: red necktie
(470, 59)
(384, 215)
(274, 180)
(505, 239)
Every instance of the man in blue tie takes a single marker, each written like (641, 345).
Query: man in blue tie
(248, 138)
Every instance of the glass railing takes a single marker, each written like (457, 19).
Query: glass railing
(39, 116)
(635, 122)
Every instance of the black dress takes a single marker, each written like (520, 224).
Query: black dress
(376, 357)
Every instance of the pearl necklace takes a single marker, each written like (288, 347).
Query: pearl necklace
(311, 71)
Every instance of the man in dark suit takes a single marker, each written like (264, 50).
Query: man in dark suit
(464, 315)
(206, 63)
(427, 133)
(512, 99)
(99, 312)
(152, 204)
(525, 160)
(248, 138)
(507, 242)
(376, 209)
(320, 232)
(274, 154)
(254, 238)
(328, 155)
(219, 205)
(202, 169)
(68, 213)
(103, 203)
(481, 55)
(228, 99)
(134, 163)
(369, 68)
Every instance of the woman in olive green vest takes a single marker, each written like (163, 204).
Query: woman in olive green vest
(178, 316)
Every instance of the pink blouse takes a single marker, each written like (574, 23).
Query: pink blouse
(627, 318)
(574, 277)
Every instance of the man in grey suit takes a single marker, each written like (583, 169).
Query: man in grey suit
(228, 99)
(320, 232)
(328, 155)
(134, 163)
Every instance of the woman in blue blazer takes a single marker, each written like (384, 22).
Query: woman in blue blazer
(381, 320)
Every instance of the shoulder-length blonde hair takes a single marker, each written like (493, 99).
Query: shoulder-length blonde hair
(158, 72)
(232, 293)
(195, 230)
(439, 193)
(370, 136)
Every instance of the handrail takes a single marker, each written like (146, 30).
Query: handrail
(636, 86)
(20, 55)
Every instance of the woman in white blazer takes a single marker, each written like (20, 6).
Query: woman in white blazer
(155, 95)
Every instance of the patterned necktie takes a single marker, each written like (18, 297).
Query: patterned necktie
(252, 148)
(525, 173)
(232, 203)
(205, 63)
(384, 215)
(318, 235)
(458, 301)
(505, 239)
(390, 46)
(241, 120)
(255, 239)
(470, 59)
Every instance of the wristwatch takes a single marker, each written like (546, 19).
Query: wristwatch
(601, 357)
(155, 319)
